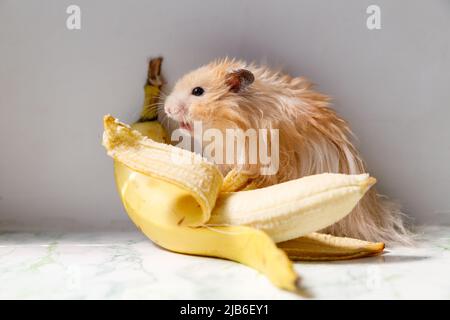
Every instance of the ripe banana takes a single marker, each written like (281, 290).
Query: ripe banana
(182, 202)
(170, 206)
(172, 201)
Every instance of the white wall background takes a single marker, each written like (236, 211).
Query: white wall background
(393, 85)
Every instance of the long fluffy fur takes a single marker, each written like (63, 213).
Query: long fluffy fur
(313, 138)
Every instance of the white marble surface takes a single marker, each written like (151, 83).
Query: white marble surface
(126, 265)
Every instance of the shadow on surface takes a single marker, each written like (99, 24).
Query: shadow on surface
(386, 258)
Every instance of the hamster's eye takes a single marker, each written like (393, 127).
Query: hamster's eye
(198, 91)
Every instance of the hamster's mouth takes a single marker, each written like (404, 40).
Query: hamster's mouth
(185, 125)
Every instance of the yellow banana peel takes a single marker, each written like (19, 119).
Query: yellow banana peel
(325, 247)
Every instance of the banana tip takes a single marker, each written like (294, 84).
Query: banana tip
(107, 117)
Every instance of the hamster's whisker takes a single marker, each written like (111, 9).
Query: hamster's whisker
(162, 95)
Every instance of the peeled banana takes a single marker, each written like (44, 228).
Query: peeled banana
(184, 204)
(171, 212)
(295, 208)
(174, 204)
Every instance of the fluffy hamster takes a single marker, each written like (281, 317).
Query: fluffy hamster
(312, 137)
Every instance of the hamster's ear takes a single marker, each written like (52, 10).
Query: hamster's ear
(239, 80)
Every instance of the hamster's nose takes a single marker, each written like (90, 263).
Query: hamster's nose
(176, 108)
